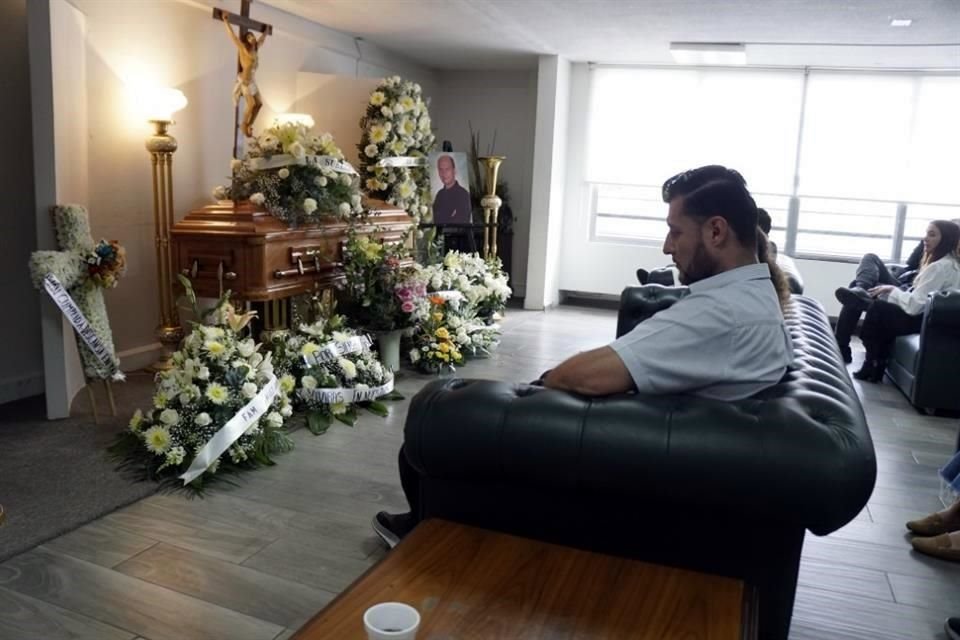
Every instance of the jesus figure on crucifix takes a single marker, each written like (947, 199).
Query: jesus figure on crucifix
(248, 51)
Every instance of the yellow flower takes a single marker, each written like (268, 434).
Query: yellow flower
(160, 400)
(136, 420)
(442, 333)
(287, 383)
(443, 357)
(214, 348)
(309, 348)
(157, 439)
(378, 133)
(377, 98)
(217, 393)
(444, 347)
(437, 316)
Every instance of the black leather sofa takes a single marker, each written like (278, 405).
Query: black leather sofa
(725, 488)
(925, 366)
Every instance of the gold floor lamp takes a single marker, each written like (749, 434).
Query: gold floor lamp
(161, 105)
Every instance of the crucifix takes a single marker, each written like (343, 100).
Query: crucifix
(248, 55)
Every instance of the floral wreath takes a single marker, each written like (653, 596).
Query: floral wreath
(297, 175)
(394, 146)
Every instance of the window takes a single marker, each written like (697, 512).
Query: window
(878, 157)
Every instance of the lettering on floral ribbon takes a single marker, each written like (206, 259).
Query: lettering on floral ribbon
(333, 350)
(232, 430)
(79, 322)
(335, 395)
(286, 160)
(402, 161)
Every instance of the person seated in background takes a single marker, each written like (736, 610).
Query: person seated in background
(765, 224)
(726, 340)
(891, 311)
(871, 272)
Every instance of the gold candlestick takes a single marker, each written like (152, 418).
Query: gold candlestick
(491, 205)
(159, 105)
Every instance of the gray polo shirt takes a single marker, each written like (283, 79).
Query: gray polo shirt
(725, 340)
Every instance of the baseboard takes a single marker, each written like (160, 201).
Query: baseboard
(140, 357)
(14, 388)
(592, 300)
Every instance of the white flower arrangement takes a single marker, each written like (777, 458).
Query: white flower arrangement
(482, 283)
(328, 355)
(215, 373)
(296, 174)
(397, 125)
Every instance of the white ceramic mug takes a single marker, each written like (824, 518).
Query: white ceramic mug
(391, 621)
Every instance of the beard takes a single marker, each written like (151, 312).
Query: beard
(700, 267)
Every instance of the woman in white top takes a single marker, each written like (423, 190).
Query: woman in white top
(896, 312)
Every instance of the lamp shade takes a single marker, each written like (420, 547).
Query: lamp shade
(161, 103)
(304, 119)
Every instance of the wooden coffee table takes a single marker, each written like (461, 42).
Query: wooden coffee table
(473, 583)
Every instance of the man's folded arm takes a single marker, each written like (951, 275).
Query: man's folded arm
(598, 372)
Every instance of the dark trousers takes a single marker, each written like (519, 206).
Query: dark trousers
(870, 272)
(410, 481)
(883, 323)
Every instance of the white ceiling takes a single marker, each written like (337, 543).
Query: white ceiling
(504, 34)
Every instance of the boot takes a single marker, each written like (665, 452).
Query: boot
(871, 371)
(846, 324)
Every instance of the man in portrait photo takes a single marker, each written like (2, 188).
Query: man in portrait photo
(451, 202)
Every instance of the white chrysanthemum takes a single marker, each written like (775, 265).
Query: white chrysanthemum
(346, 180)
(258, 198)
(378, 133)
(338, 408)
(397, 147)
(406, 189)
(217, 393)
(344, 208)
(407, 126)
(160, 400)
(169, 417)
(286, 411)
(308, 382)
(157, 440)
(136, 420)
(203, 373)
(355, 200)
(249, 390)
(219, 192)
(349, 369)
(309, 348)
(386, 111)
(215, 348)
(377, 98)
(309, 206)
(202, 419)
(371, 150)
(287, 383)
(274, 419)
(284, 173)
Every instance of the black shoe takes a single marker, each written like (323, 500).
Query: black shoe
(393, 527)
(846, 354)
(871, 371)
(952, 627)
(854, 297)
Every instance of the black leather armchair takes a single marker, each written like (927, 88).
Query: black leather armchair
(925, 366)
(665, 277)
(723, 487)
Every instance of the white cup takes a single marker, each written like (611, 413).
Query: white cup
(391, 621)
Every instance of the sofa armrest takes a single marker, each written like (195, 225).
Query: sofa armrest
(639, 303)
(943, 310)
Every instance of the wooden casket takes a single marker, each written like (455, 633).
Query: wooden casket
(259, 258)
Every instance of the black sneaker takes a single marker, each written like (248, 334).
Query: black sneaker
(393, 527)
(952, 627)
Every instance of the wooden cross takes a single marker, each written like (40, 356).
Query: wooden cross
(246, 24)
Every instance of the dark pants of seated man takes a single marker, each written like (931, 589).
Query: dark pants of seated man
(870, 272)
(410, 481)
(881, 326)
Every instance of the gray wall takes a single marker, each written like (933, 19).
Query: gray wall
(21, 362)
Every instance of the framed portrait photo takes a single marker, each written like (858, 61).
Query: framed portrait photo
(450, 186)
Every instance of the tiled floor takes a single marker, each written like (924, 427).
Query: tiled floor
(257, 560)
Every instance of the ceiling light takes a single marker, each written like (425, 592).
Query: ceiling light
(900, 22)
(725, 53)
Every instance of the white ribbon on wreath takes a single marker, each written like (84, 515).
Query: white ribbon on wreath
(333, 350)
(345, 395)
(402, 161)
(286, 160)
(79, 322)
(232, 430)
